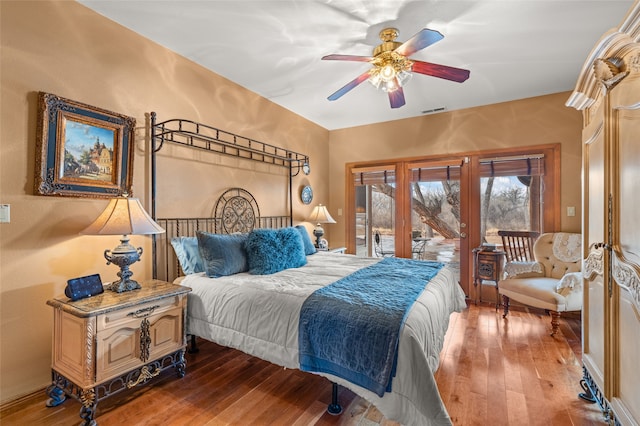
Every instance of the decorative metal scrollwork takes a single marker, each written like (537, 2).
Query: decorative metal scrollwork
(88, 397)
(144, 375)
(238, 210)
(145, 312)
(145, 340)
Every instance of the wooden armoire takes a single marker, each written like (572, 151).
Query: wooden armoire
(608, 94)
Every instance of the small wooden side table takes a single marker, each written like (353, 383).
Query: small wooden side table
(111, 342)
(487, 266)
(341, 250)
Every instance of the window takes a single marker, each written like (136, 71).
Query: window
(511, 195)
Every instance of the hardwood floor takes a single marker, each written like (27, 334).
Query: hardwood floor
(492, 372)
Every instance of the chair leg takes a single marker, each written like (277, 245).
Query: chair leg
(505, 303)
(555, 322)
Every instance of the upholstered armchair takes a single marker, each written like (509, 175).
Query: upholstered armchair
(553, 282)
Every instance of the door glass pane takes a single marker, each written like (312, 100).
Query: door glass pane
(435, 214)
(375, 212)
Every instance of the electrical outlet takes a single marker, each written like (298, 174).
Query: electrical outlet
(571, 211)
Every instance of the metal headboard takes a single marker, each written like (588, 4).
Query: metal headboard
(238, 211)
(200, 136)
(235, 211)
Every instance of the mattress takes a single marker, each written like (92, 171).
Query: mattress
(259, 315)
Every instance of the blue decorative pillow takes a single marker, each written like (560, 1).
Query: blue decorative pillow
(292, 248)
(186, 249)
(222, 254)
(309, 247)
(270, 251)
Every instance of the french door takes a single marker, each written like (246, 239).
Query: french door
(374, 210)
(410, 209)
(441, 208)
(437, 228)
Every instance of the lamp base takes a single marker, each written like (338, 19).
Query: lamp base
(121, 285)
(318, 232)
(123, 256)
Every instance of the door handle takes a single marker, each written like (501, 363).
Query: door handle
(463, 235)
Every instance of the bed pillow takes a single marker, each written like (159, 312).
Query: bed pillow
(309, 248)
(186, 249)
(270, 251)
(222, 254)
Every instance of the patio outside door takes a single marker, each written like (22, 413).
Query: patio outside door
(375, 211)
(437, 227)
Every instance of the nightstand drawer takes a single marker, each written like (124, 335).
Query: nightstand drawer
(122, 316)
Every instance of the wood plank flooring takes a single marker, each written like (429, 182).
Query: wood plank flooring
(492, 372)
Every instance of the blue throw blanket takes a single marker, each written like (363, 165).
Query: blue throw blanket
(351, 328)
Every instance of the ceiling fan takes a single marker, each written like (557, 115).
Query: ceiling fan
(392, 66)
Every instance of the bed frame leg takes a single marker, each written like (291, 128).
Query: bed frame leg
(334, 408)
(193, 347)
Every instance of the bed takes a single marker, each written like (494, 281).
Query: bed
(260, 317)
(259, 314)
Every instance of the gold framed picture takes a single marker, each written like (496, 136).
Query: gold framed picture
(82, 151)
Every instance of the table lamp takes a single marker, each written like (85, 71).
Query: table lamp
(320, 215)
(123, 216)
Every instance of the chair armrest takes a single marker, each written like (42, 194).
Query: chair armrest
(523, 270)
(569, 283)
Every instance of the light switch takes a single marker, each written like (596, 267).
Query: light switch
(339, 212)
(5, 213)
(571, 211)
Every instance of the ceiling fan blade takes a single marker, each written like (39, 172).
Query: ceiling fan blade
(347, 58)
(396, 98)
(350, 85)
(441, 71)
(422, 39)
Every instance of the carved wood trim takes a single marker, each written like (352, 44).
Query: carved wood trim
(627, 277)
(612, 47)
(593, 264)
(609, 71)
(90, 344)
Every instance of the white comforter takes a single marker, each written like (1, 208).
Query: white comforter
(258, 314)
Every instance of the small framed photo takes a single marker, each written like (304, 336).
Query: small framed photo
(82, 151)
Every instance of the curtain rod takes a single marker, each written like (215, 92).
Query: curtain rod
(513, 158)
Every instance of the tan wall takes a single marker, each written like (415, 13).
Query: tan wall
(535, 121)
(69, 50)
(66, 49)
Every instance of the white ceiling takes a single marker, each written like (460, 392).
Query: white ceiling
(514, 49)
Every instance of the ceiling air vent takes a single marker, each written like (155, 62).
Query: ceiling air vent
(434, 110)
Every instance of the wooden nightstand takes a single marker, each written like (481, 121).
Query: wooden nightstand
(341, 250)
(111, 342)
(487, 266)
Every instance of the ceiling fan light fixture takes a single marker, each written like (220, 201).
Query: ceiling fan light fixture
(390, 71)
(387, 72)
(391, 68)
(391, 85)
(403, 77)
